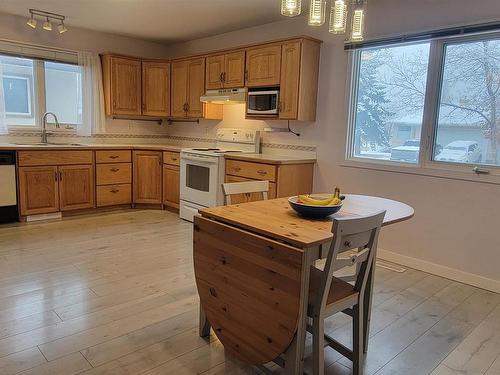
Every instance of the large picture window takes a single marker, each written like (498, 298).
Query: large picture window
(32, 87)
(446, 92)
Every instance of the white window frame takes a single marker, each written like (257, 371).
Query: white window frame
(425, 165)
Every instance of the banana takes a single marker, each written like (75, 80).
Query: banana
(328, 201)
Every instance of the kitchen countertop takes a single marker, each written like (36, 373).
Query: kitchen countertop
(271, 158)
(261, 158)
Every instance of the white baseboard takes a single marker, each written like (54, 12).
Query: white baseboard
(440, 270)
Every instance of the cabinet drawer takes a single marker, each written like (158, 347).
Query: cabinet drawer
(111, 195)
(113, 156)
(35, 157)
(118, 173)
(171, 157)
(256, 171)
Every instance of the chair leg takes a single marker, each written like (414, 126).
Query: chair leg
(318, 346)
(357, 340)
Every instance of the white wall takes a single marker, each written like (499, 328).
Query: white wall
(456, 222)
(14, 28)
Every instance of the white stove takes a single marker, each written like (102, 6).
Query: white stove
(203, 169)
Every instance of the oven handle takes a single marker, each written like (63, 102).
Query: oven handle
(197, 158)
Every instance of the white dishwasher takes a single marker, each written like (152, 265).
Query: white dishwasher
(8, 194)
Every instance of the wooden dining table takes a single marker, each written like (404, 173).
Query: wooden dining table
(252, 265)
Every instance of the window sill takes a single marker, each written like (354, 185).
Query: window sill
(428, 171)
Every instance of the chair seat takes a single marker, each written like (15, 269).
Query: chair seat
(341, 295)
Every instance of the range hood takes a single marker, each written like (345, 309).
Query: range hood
(225, 96)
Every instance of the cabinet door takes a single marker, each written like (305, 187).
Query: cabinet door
(252, 197)
(76, 187)
(263, 66)
(196, 87)
(179, 89)
(38, 190)
(289, 86)
(147, 177)
(215, 69)
(126, 86)
(234, 70)
(155, 88)
(171, 185)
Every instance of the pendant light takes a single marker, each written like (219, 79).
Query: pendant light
(338, 17)
(317, 12)
(291, 8)
(358, 21)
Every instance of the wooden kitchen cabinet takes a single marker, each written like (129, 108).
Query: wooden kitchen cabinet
(225, 71)
(76, 187)
(299, 80)
(122, 85)
(147, 177)
(38, 190)
(263, 66)
(188, 85)
(171, 185)
(155, 88)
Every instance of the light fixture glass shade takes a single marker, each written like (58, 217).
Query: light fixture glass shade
(358, 21)
(338, 17)
(32, 22)
(47, 25)
(61, 28)
(317, 12)
(291, 8)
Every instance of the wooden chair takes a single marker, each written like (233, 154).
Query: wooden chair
(329, 295)
(246, 188)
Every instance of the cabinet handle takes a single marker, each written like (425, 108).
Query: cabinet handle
(236, 169)
(221, 77)
(114, 169)
(113, 156)
(55, 176)
(114, 191)
(174, 159)
(60, 176)
(261, 172)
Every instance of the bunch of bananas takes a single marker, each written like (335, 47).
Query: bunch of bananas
(332, 200)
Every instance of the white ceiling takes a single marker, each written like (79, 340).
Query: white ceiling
(165, 21)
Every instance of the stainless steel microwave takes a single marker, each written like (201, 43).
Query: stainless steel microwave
(263, 102)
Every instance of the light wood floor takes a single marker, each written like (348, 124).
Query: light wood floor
(114, 294)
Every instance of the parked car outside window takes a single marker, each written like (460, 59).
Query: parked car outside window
(461, 152)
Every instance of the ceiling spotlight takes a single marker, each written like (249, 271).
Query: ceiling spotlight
(61, 28)
(32, 22)
(47, 25)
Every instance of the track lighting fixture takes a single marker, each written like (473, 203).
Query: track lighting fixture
(47, 24)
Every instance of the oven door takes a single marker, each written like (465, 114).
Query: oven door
(199, 174)
(263, 103)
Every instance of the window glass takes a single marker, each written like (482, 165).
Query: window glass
(468, 128)
(389, 102)
(17, 76)
(63, 92)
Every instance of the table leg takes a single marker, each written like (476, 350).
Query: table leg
(367, 308)
(204, 325)
(294, 356)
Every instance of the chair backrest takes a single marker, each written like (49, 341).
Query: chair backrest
(247, 188)
(360, 233)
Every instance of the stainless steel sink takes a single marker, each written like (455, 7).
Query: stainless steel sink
(52, 144)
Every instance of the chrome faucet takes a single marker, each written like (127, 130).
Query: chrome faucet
(44, 125)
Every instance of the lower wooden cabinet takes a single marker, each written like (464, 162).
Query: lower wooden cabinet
(171, 188)
(113, 195)
(38, 190)
(47, 189)
(76, 187)
(147, 180)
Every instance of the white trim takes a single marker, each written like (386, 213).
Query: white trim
(440, 270)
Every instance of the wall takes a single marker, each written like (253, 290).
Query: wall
(454, 231)
(14, 28)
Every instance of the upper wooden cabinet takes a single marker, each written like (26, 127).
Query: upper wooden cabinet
(263, 66)
(122, 85)
(299, 80)
(155, 88)
(225, 71)
(188, 85)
